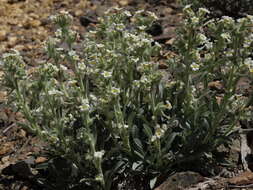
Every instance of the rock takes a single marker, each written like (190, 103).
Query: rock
(162, 65)
(244, 86)
(123, 2)
(5, 159)
(21, 169)
(155, 30)
(3, 35)
(34, 23)
(40, 160)
(14, 1)
(180, 181)
(244, 178)
(12, 41)
(21, 133)
(86, 20)
(6, 148)
(3, 94)
(19, 47)
(211, 183)
(78, 13)
(216, 85)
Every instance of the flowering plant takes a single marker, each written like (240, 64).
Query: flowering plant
(107, 108)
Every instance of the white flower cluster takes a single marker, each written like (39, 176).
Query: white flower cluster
(49, 68)
(63, 15)
(203, 11)
(227, 21)
(55, 92)
(137, 40)
(249, 63)
(145, 67)
(114, 91)
(159, 132)
(226, 36)
(81, 66)
(85, 106)
(248, 41)
(73, 55)
(202, 38)
(195, 66)
(99, 154)
(107, 74)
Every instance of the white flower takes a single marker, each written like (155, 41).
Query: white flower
(241, 20)
(107, 74)
(142, 27)
(136, 84)
(208, 56)
(195, 66)
(123, 126)
(99, 154)
(168, 105)
(144, 80)
(248, 41)
(209, 45)
(93, 32)
(55, 92)
(100, 45)
(159, 132)
(203, 11)
(72, 82)
(226, 36)
(139, 11)
(195, 20)
(127, 13)
(84, 105)
(152, 15)
(71, 53)
(81, 66)
(50, 67)
(93, 97)
(229, 53)
(196, 55)
(153, 138)
(250, 17)
(63, 68)
(202, 38)
(248, 62)
(53, 17)
(157, 45)
(58, 33)
(59, 49)
(135, 60)
(53, 40)
(76, 58)
(115, 91)
(146, 41)
(120, 27)
(187, 8)
(227, 20)
(66, 13)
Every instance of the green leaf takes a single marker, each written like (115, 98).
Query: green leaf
(136, 165)
(131, 118)
(138, 145)
(110, 173)
(147, 130)
(169, 142)
(138, 154)
(152, 183)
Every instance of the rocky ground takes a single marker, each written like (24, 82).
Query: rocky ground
(24, 27)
